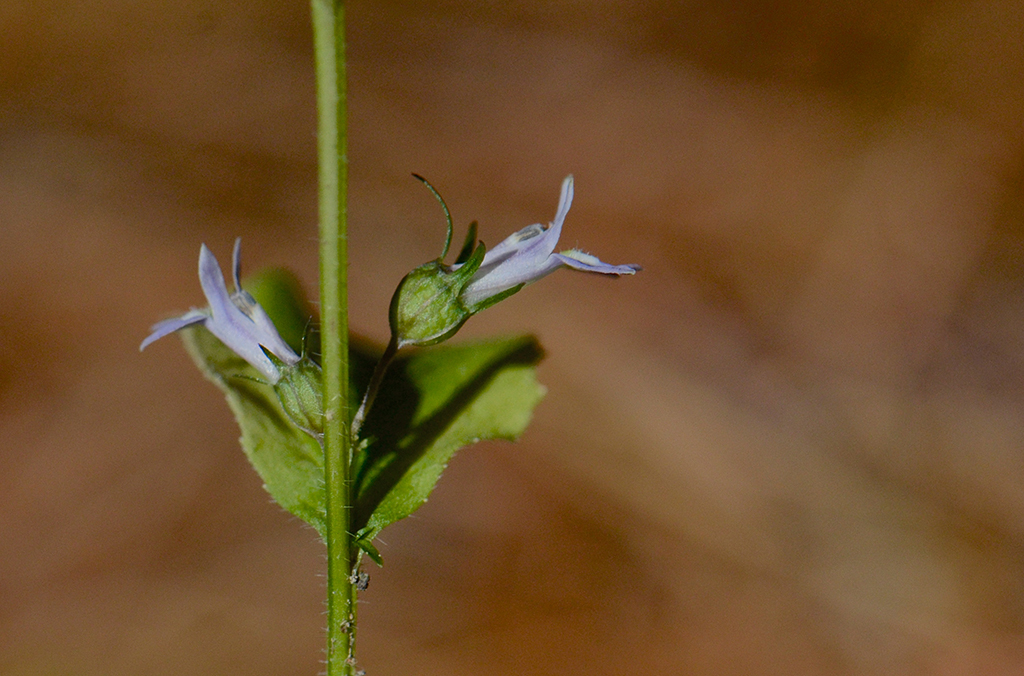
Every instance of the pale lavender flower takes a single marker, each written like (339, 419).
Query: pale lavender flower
(235, 318)
(529, 255)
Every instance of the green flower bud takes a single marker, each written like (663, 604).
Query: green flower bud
(301, 394)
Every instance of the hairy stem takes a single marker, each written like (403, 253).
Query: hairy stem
(329, 45)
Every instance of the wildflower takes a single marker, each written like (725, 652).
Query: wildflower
(435, 300)
(529, 255)
(236, 319)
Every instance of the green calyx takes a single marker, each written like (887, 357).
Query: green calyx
(426, 308)
(301, 394)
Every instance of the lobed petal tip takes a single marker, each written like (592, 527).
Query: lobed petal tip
(580, 260)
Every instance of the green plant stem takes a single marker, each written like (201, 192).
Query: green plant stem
(329, 45)
(371, 391)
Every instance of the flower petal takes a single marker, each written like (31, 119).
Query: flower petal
(514, 271)
(536, 241)
(266, 332)
(245, 347)
(511, 244)
(216, 292)
(169, 326)
(234, 328)
(578, 260)
(528, 255)
(538, 248)
(564, 202)
(523, 257)
(236, 319)
(236, 264)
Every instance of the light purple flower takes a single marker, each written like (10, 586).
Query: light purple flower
(529, 255)
(236, 318)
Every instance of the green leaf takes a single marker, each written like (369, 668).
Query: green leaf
(363, 542)
(289, 461)
(431, 404)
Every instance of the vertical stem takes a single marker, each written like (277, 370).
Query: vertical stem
(329, 44)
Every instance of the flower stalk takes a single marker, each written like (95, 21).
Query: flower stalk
(379, 371)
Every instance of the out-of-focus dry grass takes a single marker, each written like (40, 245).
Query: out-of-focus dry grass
(793, 445)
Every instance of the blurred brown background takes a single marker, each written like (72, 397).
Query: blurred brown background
(794, 444)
